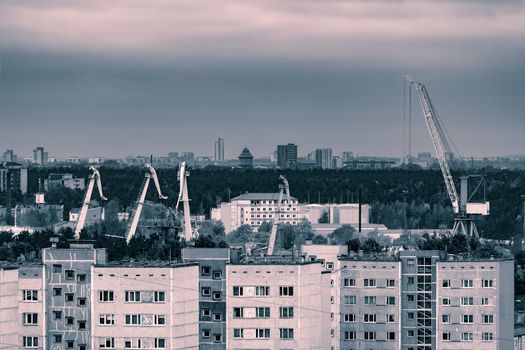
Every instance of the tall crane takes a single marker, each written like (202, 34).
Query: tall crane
(151, 173)
(463, 221)
(94, 177)
(182, 176)
(283, 188)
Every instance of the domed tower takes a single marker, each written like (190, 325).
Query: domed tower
(245, 158)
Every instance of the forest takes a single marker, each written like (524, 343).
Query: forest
(391, 193)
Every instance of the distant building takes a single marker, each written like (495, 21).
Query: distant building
(287, 156)
(39, 156)
(38, 215)
(56, 181)
(9, 156)
(337, 162)
(95, 160)
(347, 156)
(369, 164)
(245, 159)
(323, 158)
(218, 150)
(13, 177)
(94, 215)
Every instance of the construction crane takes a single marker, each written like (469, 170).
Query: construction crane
(463, 221)
(95, 176)
(182, 176)
(283, 188)
(132, 227)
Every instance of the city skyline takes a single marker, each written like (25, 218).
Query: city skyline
(129, 78)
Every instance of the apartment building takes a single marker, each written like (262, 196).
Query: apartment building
(212, 294)
(277, 305)
(151, 305)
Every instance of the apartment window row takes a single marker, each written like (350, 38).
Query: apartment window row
(262, 312)
(466, 301)
(352, 335)
(144, 320)
(468, 283)
(30, 342)
(262, 333)
(207, 292)
(217, 337)
(30, 295)
(468, 336)
(368, 282)
(109, 343)
(284, 291)
(131, 296)
(368, 318)
(207, 271)
(468, 319)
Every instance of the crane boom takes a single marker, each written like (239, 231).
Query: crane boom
(132, 228)
(438, 140)
(95, 176)
(184, 197)
(283, 188)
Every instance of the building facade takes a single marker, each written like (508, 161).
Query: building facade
(57, 181)
(218, 150)
(13, 177)
(323, 158)
(287, 156)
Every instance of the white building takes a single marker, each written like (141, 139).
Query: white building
(57, 181)
(277, 306)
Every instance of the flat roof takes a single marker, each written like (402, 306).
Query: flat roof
(259, 197)
(146, 264)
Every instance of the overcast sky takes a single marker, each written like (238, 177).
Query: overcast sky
(120, 77)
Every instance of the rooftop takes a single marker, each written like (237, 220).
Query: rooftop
(147, 263)
(259, 197)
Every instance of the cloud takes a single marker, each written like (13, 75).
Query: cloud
(380, 33)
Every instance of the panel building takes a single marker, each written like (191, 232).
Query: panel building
(287, 156)
(218, 150)
(323, 158)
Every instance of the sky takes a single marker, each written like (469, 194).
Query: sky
(124, 77)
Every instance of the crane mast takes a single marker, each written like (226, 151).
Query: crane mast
(132, 228)
(184, 198)
(283, 188)
(94, 177)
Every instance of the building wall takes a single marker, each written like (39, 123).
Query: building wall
(308, 306)
(9, 332)
(179, 308)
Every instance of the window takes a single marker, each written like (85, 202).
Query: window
(133, 344)
(445, 336)
(82, 347)
(329, 266)
(390, 335)
(69, 297)
(81, 324)
(369, 282)
(467, 301)
(30, 295)
(446, 284)
(349, 318)
(106, 296)
(57, 315)
(132, 319)
(81, 301)
(391, 300)
(467, 336)
(370, 300)
(238, 312)
(487, 283)
(485, 301)
(410, 262)
(262, 312)
(107, 343)
(467, 284)
(107, 319)
(159, 320)
(390, 283)
(217, 275)
(349, 299)
(445, 318)
(410, 315)
(206, 312)
(70, 275)
(70, 320)
(217, 338)
(445, 302)
(349, 282)
(238, 333)
(217, 317)
(205, 270)
(370, 335)
(206, 333)
(350, 335)
(30, 318)
(57, 268)
(410, 333)
(159, 297)
(410, 297)
(286, 291)
(370, 318)
(488, 319)
(81, 278)
(206, 291)
(30, 342)
(160, 343)
(262, 333)
(132, 296)
(238, 291)
(57, 338)
(286, 312)
(467, 319)
(390, 318)
(286, 333)
(487, 336)
(70, 344)
(217, 295)
(57, 292)
(410, 280)
(262, 291)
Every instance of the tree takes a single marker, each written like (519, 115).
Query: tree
(286, 236)
(204, 241)
(370, 245)
(266, 226)
(354, 245)
(318, 239)
(324, 218)
(240, 235)
(342, 234)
